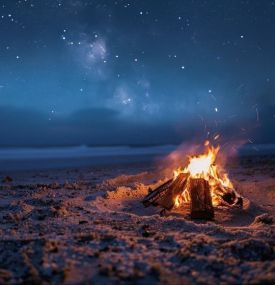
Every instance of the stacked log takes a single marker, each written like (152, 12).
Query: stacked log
(201, 201)
(165, 195)
(201, 206)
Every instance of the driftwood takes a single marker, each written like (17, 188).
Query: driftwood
(165, 195)
(201, 200)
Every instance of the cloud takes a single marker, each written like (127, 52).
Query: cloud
(104, 126)
(25, 127)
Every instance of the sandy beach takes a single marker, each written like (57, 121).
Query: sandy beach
(88, 226)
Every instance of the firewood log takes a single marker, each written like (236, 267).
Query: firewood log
(154, 195)
(165, 195)
(201, 201)
(228, 197)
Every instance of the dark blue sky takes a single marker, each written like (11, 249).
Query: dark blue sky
(138, 72)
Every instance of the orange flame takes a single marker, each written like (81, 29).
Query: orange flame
(204, 166)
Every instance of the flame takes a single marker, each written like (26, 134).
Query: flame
(200, 166)
(204, 166)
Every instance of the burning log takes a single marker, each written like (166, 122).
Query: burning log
(228, 197)
(201, 201)
(153, 196)
(166, 194)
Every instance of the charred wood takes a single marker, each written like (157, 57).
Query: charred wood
(201, 201)
(228, 197)
(165, 195)
(154, 195)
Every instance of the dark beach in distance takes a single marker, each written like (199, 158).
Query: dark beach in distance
(35, 158)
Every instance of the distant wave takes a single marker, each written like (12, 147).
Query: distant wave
(80, 151)
(89, 151)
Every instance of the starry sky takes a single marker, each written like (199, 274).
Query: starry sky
(101, 72)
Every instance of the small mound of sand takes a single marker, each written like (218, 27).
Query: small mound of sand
(128, 180)
(127, 192)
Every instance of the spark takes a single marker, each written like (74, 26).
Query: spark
(216, 137)
(257, 114)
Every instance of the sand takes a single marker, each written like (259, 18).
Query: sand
(88, 226)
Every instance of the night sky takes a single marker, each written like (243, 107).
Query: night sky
(136, 72)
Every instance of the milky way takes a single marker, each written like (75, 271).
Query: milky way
(137, 72)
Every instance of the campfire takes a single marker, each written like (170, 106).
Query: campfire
(202, 184)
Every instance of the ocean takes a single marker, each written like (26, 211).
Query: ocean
(85, 156)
